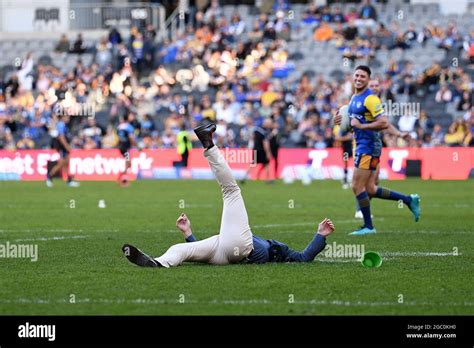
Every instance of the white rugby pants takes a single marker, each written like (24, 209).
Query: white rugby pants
(234, 241)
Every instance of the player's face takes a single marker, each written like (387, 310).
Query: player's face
(360, 79)
(374, 86)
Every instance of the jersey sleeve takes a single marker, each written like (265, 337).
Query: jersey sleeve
(61, 128)
(374, 105)
(130, 130)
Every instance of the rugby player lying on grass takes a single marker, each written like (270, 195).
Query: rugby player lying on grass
(235, 242)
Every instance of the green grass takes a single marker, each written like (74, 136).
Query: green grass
(92, 268)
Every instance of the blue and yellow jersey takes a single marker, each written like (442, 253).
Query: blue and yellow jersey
(366, 108)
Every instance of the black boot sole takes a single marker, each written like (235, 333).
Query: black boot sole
(138, 257)
(204, 133)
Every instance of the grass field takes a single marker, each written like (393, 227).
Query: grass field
(80, 255)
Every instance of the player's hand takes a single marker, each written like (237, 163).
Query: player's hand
(326, 227)
(356, 123)
(337, 118)
(184, 224)
(404, 135)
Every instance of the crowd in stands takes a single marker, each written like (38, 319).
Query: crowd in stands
(218, 68)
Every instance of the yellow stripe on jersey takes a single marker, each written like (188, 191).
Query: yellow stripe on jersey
(373, 104)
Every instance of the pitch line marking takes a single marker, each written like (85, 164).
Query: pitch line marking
(44, 239)
(309, 223)
(316, 302)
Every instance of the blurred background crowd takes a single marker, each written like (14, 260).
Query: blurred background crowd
(290, 64)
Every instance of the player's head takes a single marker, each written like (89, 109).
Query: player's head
(361, 77)
(374, 85)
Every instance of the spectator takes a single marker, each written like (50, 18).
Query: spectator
(114, 37)
(368, 12)
(110, 139)
(338, 16)
(407, 124)
(407, 87)
(103, 54)
(410, 34)
(78, 46)
(443, 95)
(63, 44)
(465, 102)
(323, 33)
(138, 52)
(457, 133)
(351, 32)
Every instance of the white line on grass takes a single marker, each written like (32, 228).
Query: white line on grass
(309, 223)
(418, 254)
(316, 302)
(425, 232)
(42, 239)
(387, 255)
(54, 230)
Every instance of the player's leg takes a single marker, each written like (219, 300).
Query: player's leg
(362, 173)
(235, 234)
(267, 171)
(205, 251)
(260, 170)
(411, 201)
(275, 166)
(65, 168)
(56, 168)
(128, 163)
(373, 181)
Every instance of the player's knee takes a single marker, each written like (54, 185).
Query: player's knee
(371, 189)
(231, 190)
(355, 187)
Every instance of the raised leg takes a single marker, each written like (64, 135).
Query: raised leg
(235, 236)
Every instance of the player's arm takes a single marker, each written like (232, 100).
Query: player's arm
(379, 124)
(342, 136)
(184, 225)
(392, 130)
(374, 106)
(337, 118)
(131, 137)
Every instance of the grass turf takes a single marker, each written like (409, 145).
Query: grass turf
(81, 270)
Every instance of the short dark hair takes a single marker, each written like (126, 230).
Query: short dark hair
(364, 68)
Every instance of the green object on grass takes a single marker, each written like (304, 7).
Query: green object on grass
(371, 259)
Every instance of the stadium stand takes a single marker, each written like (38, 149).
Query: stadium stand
(238, 66)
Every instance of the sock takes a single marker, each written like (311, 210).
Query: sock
(364, 204)
(385, 193)
(357, 205)
(190, 239)
(345, 176)
(69, 178)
